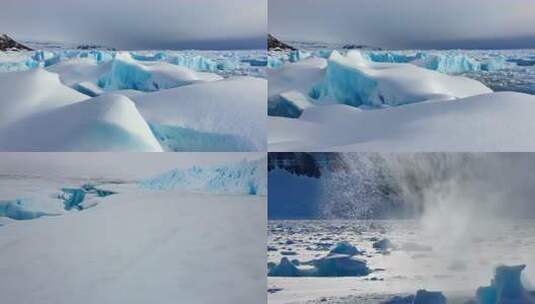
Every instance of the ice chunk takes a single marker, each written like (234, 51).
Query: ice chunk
(383, 245)
(341, 265)
(353, 80)
(88, 88)
(284, 269)
(195, 62)
(506, 287)
(429, 297)
(297, 55)
(152, 57)
(448, 63)
(345, 248)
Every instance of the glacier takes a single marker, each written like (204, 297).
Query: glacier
(245, 177)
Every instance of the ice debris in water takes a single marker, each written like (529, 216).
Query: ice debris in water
(345, 248)
(245, 177)
(340, 262)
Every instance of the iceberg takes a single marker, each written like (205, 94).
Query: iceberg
(197, 63)
(126, 73)
(506, 287)
(355, 81)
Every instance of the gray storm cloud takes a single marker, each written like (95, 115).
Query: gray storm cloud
(407, 23)
(134, 24)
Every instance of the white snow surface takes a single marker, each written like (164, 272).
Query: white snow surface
(101, 101)
(347, 103)
(138, 247)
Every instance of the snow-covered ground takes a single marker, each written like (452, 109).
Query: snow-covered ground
(73, 100)
(95, 239)
(400, 101)
(419, 260)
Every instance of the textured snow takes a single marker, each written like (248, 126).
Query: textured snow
(246, 177)
(138, 246)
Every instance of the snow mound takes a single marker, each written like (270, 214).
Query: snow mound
(29, 92)
(353, 80)
(105, 123)
(226, 115)
(126, 73)
(245, 177)
(467, 124)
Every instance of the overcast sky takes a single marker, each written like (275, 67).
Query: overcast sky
(111, 165)
(407, 23)
(138, 24)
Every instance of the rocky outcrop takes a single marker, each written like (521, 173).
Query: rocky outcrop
(8, 44)
(275, 44)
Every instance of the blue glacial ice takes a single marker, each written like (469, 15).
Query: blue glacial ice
(245, 178)
(151, 57)
(127, 73)
(77, 198)
(175, 138)
(345, 84)
(197, 63)
(506, 287)
(20, 209)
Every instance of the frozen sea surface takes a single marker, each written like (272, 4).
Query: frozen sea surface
(421, 260)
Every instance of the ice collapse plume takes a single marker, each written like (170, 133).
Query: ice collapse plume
(460, 186)
(241, 178)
